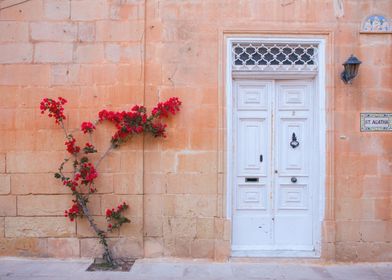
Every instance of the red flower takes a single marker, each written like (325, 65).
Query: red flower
(136, 121)
(108, 212)
(164, 108)
(88, 173)
(73, 212)
(55, 108)
(71, 148)
(87, 127)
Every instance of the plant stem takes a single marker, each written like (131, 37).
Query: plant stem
(107, 255)
(103, 156)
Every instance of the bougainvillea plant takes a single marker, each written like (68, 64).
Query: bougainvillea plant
(81, 181)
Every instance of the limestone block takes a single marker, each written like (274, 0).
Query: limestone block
(222, 250)
(2, 163)
(7, 205)
(43, 205)
(153, 226)
(28, 75)
(183, 247)
(89, 53)
(126, 247)
(65, 74)
(202, 248)
(24, 247)
(153, 247)
(53, 32)
(205, 228)
(53, 53)
(63, 248)
(197, 162)
(39, 227)
(86, 10)
(179, 227)
(90, 247)
(5, 184)
(86, 31)
(16, 53)
(2, 227)
(57, 9)
(14, 31)
(128, 183)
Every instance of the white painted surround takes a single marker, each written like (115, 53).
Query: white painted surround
(319, 122)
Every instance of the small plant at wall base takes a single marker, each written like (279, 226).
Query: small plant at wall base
(81, 181)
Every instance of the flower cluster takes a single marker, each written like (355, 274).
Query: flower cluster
(72, 184)
(136, 120)
(89, 148)
(87, 127)
(115, 217)
(71, 147)
(164, 108)
(54, 107)
(73, 212)
(88, 173)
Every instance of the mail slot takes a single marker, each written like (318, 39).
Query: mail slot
(251, 180)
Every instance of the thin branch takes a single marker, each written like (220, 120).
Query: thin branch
(15, 4)
(64, 129)
(103, 156)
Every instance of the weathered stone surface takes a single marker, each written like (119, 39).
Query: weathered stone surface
(153, 247)
(14, 31)
(63, 248)
(90, 247)
(127, 247)
(53, 32)
(57, 9)
(36, 184)
(53, 53)
(2, 227)
(7, 205)
(43, 205)
(2, 163)
(5, 184)
(16, 53)
(24, 247)
(202, 248)
(38, 227)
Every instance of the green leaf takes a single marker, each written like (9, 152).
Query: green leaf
(84, 159)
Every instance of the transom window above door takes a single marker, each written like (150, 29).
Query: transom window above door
(265, 56)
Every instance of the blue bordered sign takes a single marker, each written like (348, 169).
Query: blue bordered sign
(376, 121)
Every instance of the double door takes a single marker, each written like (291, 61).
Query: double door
(274, 174)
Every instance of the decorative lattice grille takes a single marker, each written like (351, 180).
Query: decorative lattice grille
(274, 57)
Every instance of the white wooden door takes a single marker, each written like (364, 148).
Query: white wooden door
(273, 153)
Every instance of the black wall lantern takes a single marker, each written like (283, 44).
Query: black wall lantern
(351, 67)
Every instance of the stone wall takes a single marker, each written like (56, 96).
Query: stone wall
(114, 53)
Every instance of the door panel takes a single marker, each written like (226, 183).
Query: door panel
(293, 223)
(251, 146)
(252, 210)
(292, 161)
(274, 147)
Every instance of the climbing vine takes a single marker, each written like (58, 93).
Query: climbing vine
(81, 181)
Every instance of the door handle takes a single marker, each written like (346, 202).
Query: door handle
(293, 180)
(261, 158)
